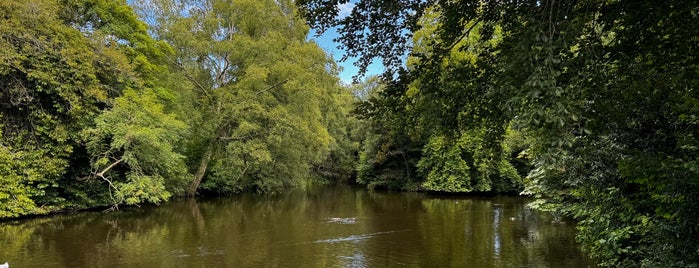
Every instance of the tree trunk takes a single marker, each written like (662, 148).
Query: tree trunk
(201, 171)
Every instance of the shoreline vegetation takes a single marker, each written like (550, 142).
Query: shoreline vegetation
(590, 107)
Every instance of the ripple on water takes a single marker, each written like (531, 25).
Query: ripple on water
(353, 238)
(356, 260)
(342, 220)
(200, 251)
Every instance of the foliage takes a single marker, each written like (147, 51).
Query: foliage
(22, 175)
(97, 112)
(340, 164)
(388, 155)
(605, 92)
(456, 165)
(138, 134)
(64, 64)
(438, 119)
(50, 92)
(265, 101)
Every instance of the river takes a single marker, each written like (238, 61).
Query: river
(329, 226)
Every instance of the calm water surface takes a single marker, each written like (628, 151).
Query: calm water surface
(332, 226)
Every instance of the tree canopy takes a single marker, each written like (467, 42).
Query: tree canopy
(264, 101)
(603, 92)
(63, 65)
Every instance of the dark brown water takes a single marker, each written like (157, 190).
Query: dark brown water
(332, 226)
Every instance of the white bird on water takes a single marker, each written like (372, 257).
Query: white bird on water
(4, 265)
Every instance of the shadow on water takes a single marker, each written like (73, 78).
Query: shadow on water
(331, 226)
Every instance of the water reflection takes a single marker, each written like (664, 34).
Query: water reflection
(325, 227)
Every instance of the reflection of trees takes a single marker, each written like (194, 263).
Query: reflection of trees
(96, 239)
(234, 231)
(493, 232)
(397, 213)
(13, 238)
(250, 230)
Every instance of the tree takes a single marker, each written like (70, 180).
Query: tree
(259, 92)
(138, 134)
(452, 99)
(606, 91)
(63, 64)
(48, 95)
(388, 154)
(340, 164)
(455, 142)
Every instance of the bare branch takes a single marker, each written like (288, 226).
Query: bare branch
(100, 174)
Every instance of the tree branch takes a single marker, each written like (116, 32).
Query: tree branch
(219, 77)
(463, 35)
(191, 79)
(272, 87)
(100, 174)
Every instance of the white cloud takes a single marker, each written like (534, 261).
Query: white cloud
(345, 9)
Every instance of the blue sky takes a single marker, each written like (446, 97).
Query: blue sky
(348, 69)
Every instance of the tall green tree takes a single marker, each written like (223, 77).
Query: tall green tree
(453, 101)
(606, 91)
(259, 93)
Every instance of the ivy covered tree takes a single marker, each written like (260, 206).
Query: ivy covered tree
(604, 91)
(44, 102)
(64, 64)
